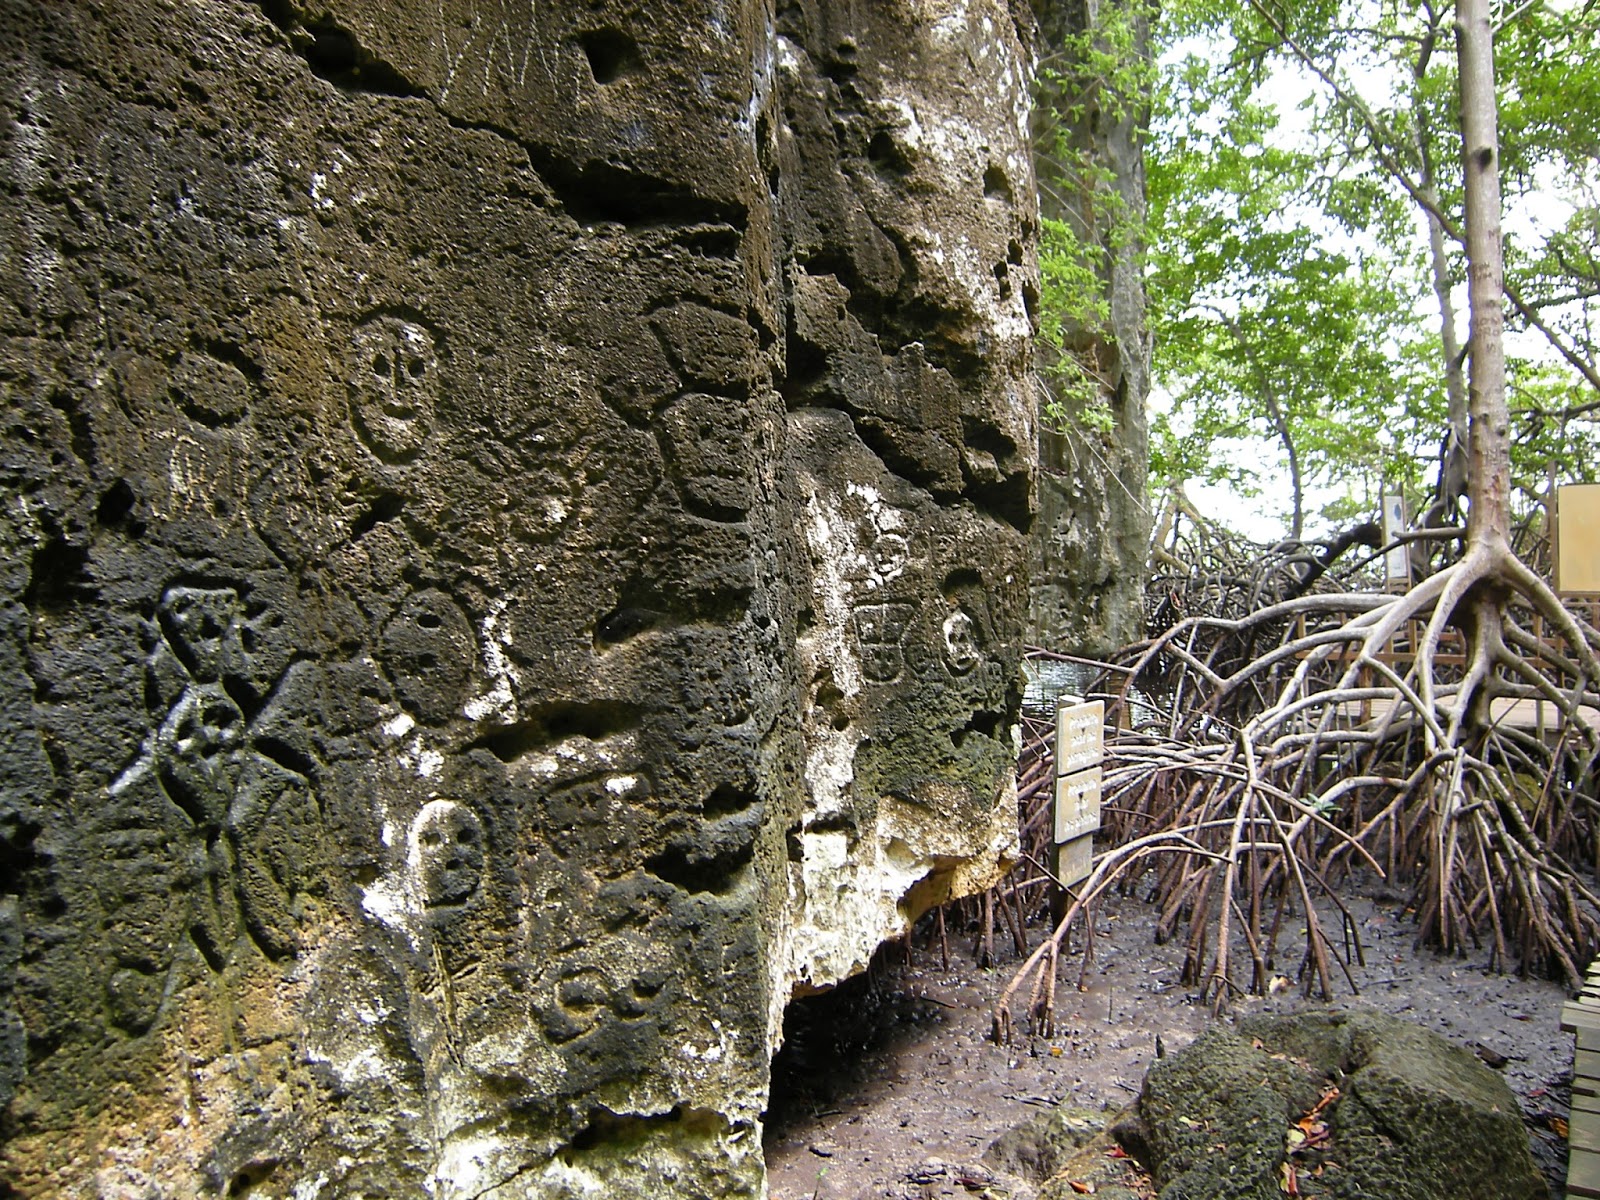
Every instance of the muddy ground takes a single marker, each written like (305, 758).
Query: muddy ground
(897, 1068)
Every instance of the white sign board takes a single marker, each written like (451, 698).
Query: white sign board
(1075, 860)
(1077, 804)
(1396, 561)
(1080, 749)
(1080, 736)
(1578, 538)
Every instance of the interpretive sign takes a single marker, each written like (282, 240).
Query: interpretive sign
(1396, 562)
(1080, 748)
(1578, 538)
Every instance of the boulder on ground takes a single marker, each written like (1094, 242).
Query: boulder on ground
(1348, 1104)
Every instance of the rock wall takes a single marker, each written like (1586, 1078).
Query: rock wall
(1094, 519)
(514, 535)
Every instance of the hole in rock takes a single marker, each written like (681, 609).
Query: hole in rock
(725, 798)
(1030, 301)
(995, 184)
(116, 505)
(714, 859)
(557, 722)
(886, 152)
(986, 723)
(621, 624)
(385, 508)
(611, 54)
(333, 53)
(1002, 277)
(608, 1128)
(962, 579)
(59, 576)
(16, 847)
(833, 1040)
(248, 1177)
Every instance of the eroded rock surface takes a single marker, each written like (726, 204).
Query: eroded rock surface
(513, 547)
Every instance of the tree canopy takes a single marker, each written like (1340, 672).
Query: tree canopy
(1306, 261)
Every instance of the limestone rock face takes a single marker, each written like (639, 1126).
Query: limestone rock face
(513, 537)
(1094, 519)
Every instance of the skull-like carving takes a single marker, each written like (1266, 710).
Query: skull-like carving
(392, 389)
(961, 643)
(446, 852)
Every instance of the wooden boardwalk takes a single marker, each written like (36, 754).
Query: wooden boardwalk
(1531, 716)
(1581, 1018)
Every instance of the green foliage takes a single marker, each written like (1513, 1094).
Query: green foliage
(1095, 76)
(1291, 290)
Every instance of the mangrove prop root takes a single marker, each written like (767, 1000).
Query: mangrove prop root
(1256, 755)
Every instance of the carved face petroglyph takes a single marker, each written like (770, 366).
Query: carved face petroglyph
(393, 387)
(446, 853)
(961, 643)
(202, 625)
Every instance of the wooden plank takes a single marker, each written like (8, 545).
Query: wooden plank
(1075, 860)
(1579, 1016)
(1586, 1104)
(1583, 1132)
(1584, 1020)
(1583, 1173)
(1586, 1064)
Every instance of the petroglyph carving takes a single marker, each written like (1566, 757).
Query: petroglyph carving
(394, 387)
(961, 650)
(446, 853)
(880, 628)
(884, 531)
(212, 392)
(430, 653)
(202, 626)
(709, 442)
(251, 821)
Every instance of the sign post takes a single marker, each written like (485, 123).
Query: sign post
(1080, 750)
(1396, 560)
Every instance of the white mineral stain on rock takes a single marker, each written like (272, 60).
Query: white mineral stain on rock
(561, 1178)
(390, 902)
(429, 762)
(469, 1164)
(500, 701)
(418, 756)
(831, 537)
(399, 726)
(830, 770)
(371, 1016)
(360, 1067)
